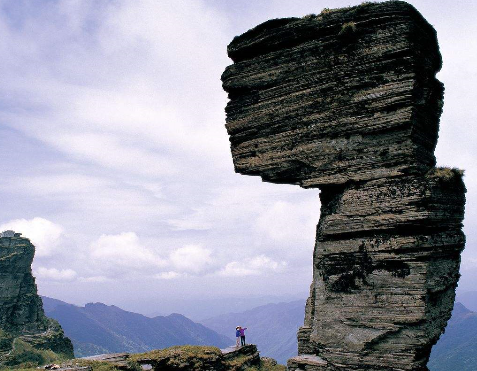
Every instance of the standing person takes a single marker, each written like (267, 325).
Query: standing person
(242, 335)
(237, 335)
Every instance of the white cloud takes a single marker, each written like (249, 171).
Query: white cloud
(54, 274)
(193, 259)
(468, 263)
(94, 279)
(112, 152)
(197, 221)
(44, 234)
(290, 221)
(168, 275)
(123, 253)
(61, 184)
(253, 267)
(128, 105)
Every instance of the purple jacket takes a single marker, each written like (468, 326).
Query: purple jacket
(242, 331)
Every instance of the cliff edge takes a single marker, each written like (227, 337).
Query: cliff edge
(26, 334)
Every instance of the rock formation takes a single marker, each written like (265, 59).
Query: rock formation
(347, 101)
(25, 331)
(179, 358)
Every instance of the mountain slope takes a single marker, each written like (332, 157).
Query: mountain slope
(271, 327)
(99, 328)
(469, 299)
(457, 348)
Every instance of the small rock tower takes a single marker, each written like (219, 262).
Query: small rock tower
(24, 328)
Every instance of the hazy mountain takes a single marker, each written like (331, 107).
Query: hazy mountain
(98, 328)
(457, 348)
(198, 309)
(469, 299)
(271, 327)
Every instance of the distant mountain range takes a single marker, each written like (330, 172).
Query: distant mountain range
(469, 299)
(271, 327)
(97, 328)
(457, 348)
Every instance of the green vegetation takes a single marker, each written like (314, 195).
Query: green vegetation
(446, 174)
(179, 352)
(5, 341)
(24, 356)
(348, 29)
(187, 357)
(193, 357)
(239, 362)
(267, 364)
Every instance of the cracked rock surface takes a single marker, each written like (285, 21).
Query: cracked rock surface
(347, 101)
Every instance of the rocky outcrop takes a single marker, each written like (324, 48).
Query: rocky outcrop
(180, 358)
(25, 331)
(347, 101)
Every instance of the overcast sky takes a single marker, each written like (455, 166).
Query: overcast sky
(116, 162)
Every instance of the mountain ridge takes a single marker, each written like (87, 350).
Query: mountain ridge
(99, 328)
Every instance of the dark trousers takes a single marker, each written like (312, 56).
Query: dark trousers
(242, 340)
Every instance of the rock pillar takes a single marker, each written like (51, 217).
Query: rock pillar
(347, 101)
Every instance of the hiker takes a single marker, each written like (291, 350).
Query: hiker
(237, 335)
(242, 335)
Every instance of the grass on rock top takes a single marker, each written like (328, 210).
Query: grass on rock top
(446, 174)
(180, 352)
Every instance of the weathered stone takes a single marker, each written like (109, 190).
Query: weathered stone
(309, 107)
(22, 319)
(347, 101)
(181, 358)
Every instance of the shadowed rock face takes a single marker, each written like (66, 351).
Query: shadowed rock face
(22, 319)
(347, 101)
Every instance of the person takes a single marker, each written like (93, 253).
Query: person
(237, 335)
(242, 335)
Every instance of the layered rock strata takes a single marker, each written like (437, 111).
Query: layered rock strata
(24, 328)
(347, 101)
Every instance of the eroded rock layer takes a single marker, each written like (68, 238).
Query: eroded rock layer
(347, 101)
(346, 95)
(26, 334)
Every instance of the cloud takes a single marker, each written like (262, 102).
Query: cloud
(286, 221)
(54, 274)
(468, 263)
(94, 279)
(168, 275)
(128, 105)
(193, 259)
(253, 267)
(122, 253)
(197, 221)
(44, 234)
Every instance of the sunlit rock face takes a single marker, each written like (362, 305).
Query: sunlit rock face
(347, 101)
(23, 324)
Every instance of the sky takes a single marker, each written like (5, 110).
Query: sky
(116, 162)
